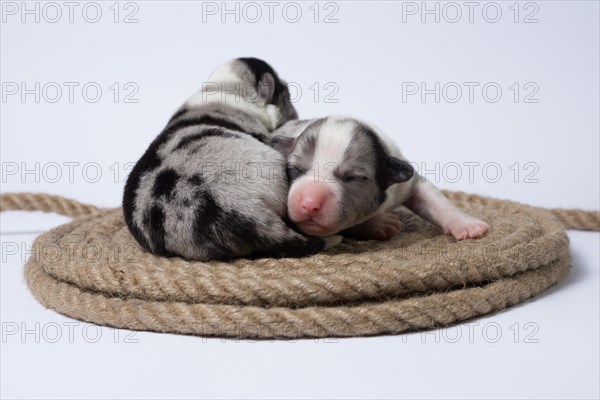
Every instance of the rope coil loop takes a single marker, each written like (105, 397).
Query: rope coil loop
(93, 270)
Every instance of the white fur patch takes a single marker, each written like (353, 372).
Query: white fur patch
(215, 91)
(224, 73)
(329, 154)
(331, 147)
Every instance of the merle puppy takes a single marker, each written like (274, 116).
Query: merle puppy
(209, 186)
(346, 176)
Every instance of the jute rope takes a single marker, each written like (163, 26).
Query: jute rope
(92, 269)
(45, 202)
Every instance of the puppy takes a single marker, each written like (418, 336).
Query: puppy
(346, 176)
(210, 187)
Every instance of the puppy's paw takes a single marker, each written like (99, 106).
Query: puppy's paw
(382, 226)
(331, 241)
(464, 226)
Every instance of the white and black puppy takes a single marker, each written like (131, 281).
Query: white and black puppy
(210, 186)
(347, 177)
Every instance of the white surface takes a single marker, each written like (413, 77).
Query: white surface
(367, 56)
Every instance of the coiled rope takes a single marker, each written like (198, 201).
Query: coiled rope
(93, 270)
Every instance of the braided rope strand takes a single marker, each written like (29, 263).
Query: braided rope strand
(46, 203)
(581, 220)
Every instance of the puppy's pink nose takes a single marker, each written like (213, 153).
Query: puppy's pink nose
(311, 204)
(310, 200)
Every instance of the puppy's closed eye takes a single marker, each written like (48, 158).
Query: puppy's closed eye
(354, 178)
(293, 172)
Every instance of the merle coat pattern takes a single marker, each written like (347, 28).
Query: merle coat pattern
(209, 187)
(347, 176)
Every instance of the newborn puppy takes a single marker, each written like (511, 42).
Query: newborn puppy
(209, 186)
(346, 176)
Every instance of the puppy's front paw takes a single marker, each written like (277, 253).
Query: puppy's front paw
(464, 226)
(332, 241)
(382, 226)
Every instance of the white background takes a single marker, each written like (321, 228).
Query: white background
(367, 58)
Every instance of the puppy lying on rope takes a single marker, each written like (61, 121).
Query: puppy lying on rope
(185, 197)
(346, 176)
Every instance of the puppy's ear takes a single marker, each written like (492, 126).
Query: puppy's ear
(397, 170)
(283, 144)
(266, 87)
